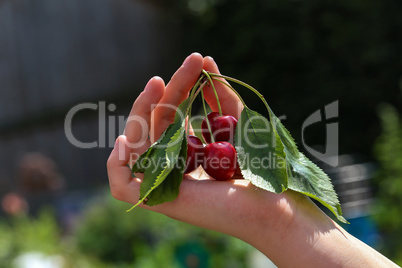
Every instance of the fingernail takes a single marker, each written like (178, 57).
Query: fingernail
(186, 61)
(149, 82)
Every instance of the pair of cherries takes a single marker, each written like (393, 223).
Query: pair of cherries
(218, 158)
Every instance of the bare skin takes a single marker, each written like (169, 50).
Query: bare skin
(288, 228)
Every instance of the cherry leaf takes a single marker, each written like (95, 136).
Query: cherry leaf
(169, 189)
(160, 159)
(304, 176)
(260, 153)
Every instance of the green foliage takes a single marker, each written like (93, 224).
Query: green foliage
(146, 239)
(388, 150)
(8, 248)
(160, 161)
(169, 189)
(256, 141)
(107, 237)
(40, 234)
(306, 177)
(23, 234)
(291, 168)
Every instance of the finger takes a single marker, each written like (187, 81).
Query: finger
(138, 123)
(176, 91)
(230, 103)
(122, 186)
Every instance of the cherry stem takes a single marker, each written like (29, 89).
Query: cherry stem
(195, 96)
(206, 117)
(214, 89)
(192, 97)
(197, 84)
(232, 88)
(248, 87)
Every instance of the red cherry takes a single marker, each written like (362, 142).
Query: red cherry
(204, 126)
(222, 127)
(195, 153)
(220, 160)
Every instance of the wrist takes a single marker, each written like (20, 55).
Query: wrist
(296, 233)
(290, 228)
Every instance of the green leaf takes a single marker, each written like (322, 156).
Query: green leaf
(143, 161)
(160, 159)
(169, 189)
(260, 152)
(304, 176)
(163, 159)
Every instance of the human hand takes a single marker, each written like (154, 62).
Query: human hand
(273, 223)
(202, 201)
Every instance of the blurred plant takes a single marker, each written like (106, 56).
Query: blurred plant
(7, 246)
(108, 237)
(22, 234)
(147, 239)
(388, 150)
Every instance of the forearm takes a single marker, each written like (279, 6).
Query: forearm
(337, 248)
(305, 237)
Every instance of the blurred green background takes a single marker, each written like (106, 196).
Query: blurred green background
(302, 55)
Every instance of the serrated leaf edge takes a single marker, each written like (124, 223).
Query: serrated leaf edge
(243, 172)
